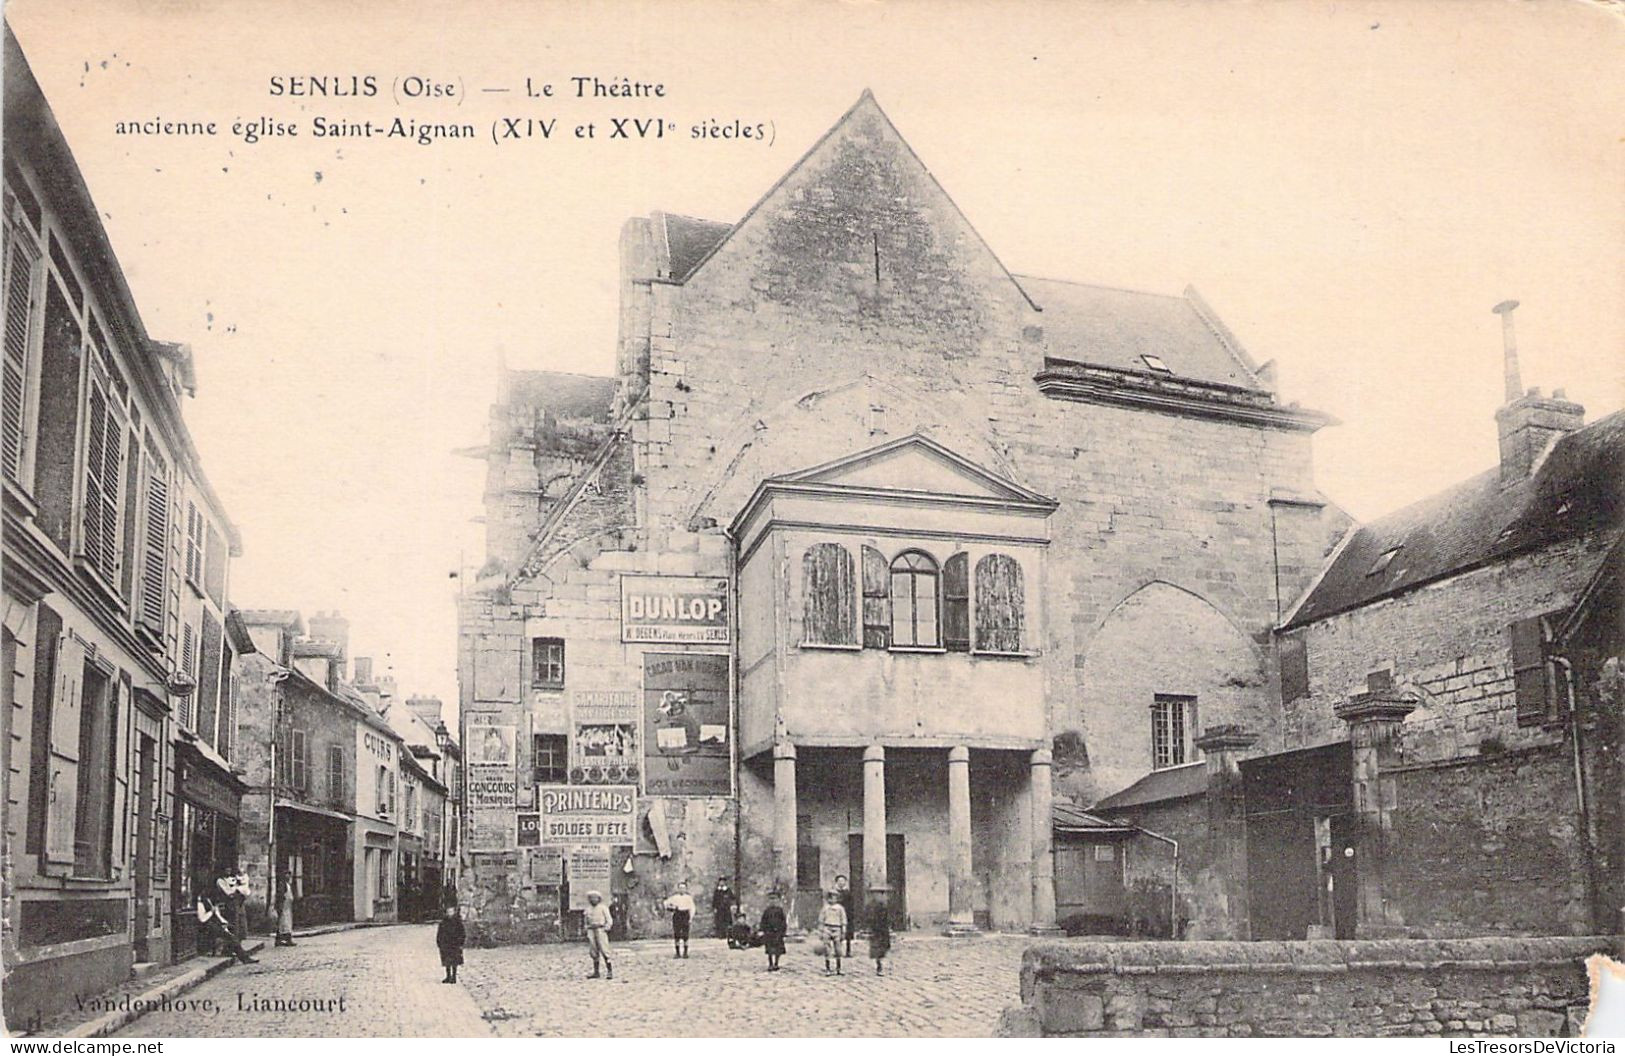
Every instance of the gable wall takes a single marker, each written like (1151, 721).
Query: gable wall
(789, 304)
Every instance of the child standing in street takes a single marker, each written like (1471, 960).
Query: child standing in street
(773, 927)
(681, 906)
(832, 923)
(450, 937)
(879, 929)
(597, 919)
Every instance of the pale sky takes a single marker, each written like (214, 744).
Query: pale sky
(1352, 186)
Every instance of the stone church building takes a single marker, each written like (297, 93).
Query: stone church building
(869, 552)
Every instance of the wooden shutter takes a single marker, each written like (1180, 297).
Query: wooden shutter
(300, 760)
(1293, 652)
(104, 480)
(335, 773)
(22, 261)
(155, 568)
(956, 603)
(1001, 603)
(1530, 685)
(189, 670)
(63, 795)
(119, 731)
(208, 678)
(876, 600)
(829, 608)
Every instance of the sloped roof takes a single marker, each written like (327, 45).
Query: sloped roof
(1575, 491)
(574, 397)
(1114, 328)
(1064, 817)
(689, 240)
(1176, 782)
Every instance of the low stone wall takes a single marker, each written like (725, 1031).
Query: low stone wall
(1525, 987)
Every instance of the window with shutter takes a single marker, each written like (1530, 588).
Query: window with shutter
(956, 603)
(335, 775)
(1531, 680)
(102, 520)
(47, 631)
(1293, 650)
(228, 714)
(155, 546)
(93, 831)
(208, 688)
(56, 436)
(21, 306)
(300, 760)
(194, 546)
(214, 566)
(63, 789)
(829, 604)
(914, 583)
(1001, 603)
(188, 670)
(876, 600)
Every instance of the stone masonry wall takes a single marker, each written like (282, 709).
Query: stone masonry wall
(1448, 643)
(1488, 846)
(790, 305)
(1399, 987)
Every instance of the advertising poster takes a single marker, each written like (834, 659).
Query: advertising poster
(530, 829)
(589, 871)
(674, 609)
(575, 816)
(492, 787)
(604, 737)
(685, 725)
(490, 830)
(544, 867)
(490, 745)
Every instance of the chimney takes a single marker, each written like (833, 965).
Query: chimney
(1529, 423)
(427, 709)
(362, 671)
(332, 627)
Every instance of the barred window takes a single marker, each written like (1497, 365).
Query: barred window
(829, 607)
(547, 662)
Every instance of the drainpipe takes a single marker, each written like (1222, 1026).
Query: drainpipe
(1580, 788)
(1173, 890)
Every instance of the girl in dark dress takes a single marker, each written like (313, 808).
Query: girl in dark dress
(879, 930)
(449, 937)
(773, 927)
(722, 907)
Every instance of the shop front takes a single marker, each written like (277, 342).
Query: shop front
(375, 871)
(314, 857)
(204, 847)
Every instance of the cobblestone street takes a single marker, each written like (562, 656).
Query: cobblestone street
(389, 980)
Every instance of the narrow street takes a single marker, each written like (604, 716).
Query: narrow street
(388, 980)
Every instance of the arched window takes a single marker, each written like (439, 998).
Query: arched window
(914, 600)
(1000, 604)
(829, 605)
(876, 600)
(956, 603)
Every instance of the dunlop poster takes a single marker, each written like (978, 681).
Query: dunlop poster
(674, 609)
(685, 725)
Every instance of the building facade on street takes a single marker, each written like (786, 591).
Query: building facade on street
(118, 786)
(850, 569)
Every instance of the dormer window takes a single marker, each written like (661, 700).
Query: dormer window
(1155, 363)
(1382, 562)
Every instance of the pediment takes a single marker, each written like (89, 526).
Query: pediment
(915, 464)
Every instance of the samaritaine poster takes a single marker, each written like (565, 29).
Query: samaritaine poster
(825, 519)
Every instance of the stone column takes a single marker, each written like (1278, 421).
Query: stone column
(1374, 720)
(784, 825)
(1043, 841)
(961, 879)
(1221, 748)
(874, 817)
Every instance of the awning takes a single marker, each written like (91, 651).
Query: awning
(288, 804)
